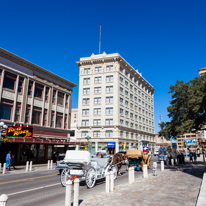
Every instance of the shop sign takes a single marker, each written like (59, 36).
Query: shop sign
(110, 144)
(20, 132)
(190, 141)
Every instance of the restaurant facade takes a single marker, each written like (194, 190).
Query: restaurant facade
(36, 100)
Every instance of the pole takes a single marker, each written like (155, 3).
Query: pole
(76, 192)
(68, 196)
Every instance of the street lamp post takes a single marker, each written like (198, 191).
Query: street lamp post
(88, 138)
(3, 127)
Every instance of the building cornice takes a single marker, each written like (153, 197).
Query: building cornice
(35, 68)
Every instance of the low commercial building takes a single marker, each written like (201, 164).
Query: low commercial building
(33, 97)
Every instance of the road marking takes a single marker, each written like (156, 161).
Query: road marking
(26, 179)
(33, 189)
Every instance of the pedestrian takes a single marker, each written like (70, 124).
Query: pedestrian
(182, 158)
(191, 157)
(195, 157)
(8, 160)
(12, 162)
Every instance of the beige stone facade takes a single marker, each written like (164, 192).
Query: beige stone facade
(116, 104)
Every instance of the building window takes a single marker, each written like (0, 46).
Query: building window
(20, 86)
(85, 122)
(126, 103)
(97, 111)
(85, 112)
(126, 113)
(136, 117)
(109, 78)
(131, 87)
(47, 94)
(60, 99)
(131, 106)
(17, 112)
(54, 97)
(59, 120)
(121, 79)
(131, 125)
(121, 101)
(109, 110)
(127, 124)
(126, 93)
(97, 100)
(109, 133)
(109, 100)
(97, 90)
(45, 117)
(98, 80)
(36, 116)
(65, 121)
(27, 114)
(121, 122)
(121, 133)
(97, 122)
(126, 83)
(135, 99)
(122, 112)
(121, 70)
(131, 96)
(9, 81)
(86, 81)
(121, 90)
(136, 127)
(6, 107)
(132, 135)
(126, 73)
(135, 81)
(135, 90)
(109, 68)
(38, 91)
(96, 133)
(135, 108)
(52, 118)
(98, 69)
(86, 91)
(140, 119)
(109, 89)
(127, 134)
(109, 121)
(131, 115)
(84, 133)
(87, 71)
(30, 86)
(85, 101)
(67, 101)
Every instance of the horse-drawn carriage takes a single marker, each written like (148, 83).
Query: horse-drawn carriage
(137, 158)
(84, 166)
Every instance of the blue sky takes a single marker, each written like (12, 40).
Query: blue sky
(164, 39)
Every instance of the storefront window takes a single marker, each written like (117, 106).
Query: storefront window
(41, 152)
(33, 152)
(49, 152)
(24, 154)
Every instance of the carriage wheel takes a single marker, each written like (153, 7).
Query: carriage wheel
(90, 177)
(64, 176)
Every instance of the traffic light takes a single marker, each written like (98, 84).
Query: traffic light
(125, 144)
(122, 143)
(185, 143)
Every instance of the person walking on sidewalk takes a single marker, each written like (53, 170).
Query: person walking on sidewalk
(12, 162)
(8, 160)
(191, 157)
(195, 157)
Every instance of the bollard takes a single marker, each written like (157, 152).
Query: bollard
(172, 162)
(27, 166)
(3, 200)
(111, 181)
(76, 192)
(0, 168)
(51, 164)
(145, 171)
(68, 196)
(30, 168)
(130, 175)
(133, 168)
(48, 164)
(107, 182)
(162, 165)
(154, 169)
(4, 169)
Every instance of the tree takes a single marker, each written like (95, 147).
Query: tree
(187, 108)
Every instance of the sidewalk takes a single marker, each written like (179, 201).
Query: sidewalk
(176, 186)
(22, 168)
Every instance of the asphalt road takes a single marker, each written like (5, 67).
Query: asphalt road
(43, 188)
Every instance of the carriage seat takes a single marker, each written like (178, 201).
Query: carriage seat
(101, 162)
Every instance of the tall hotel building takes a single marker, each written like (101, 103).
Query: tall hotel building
(116, 104)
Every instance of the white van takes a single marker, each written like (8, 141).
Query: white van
(156, 152)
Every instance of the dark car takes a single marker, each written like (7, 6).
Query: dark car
(59, 165)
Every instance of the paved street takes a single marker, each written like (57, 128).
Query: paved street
(44, 188)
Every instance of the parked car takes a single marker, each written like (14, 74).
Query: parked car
(156, 152)
(59, 164)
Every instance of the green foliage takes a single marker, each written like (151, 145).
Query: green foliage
(187, 108)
